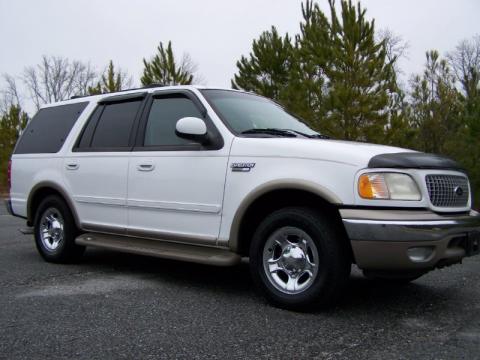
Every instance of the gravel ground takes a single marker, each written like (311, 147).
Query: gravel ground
(123, 306)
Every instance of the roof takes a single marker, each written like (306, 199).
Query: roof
(149, 88)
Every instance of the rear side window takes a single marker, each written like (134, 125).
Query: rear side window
(110, 126)
(115, 124)
(49, 128)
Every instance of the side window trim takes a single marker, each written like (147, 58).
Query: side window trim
(217, 143)
(94, 116)
(123, 98)
(187, 93)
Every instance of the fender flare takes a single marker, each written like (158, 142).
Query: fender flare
(58, 188)
(280, 184)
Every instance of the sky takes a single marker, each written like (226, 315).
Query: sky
(214, 33)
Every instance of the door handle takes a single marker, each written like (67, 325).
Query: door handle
(145, 167)
(72, 166)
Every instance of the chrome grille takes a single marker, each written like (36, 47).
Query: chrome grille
(444, 190)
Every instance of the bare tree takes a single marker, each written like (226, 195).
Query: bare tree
(10, 95)
(395, 46)
(57, 78)
(465, 62)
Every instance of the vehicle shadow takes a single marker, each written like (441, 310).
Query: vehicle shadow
(361, 296)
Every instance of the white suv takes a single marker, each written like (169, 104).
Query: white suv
(211, 175)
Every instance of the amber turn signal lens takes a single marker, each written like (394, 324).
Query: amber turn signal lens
(365, 187)
(373, 186)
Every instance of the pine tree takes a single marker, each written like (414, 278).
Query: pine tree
(110, 81)
(336, 76)
(360, 79)
(12, 123)
(435, 104)
(308, 88)
(267, 69)
(164, 69)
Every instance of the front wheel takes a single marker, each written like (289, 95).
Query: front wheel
(299, 260)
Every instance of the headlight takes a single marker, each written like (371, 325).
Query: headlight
(388, 186)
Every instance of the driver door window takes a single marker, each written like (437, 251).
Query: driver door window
(163, 117)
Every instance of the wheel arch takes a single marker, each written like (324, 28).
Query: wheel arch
(276, 194)
(40, 191)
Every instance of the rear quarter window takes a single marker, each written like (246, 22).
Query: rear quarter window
(48, 129)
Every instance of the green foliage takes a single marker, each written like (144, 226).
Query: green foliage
(163, 69)
(110, 81)
(12, 122)
(442, 120)
(464, 144)
(399, 131)
(336, 76)
(435, 105)
(360, 77)
(267, 70)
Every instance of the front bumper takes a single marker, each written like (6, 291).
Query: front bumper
(393, 239)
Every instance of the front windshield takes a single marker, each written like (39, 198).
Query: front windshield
(244, 112)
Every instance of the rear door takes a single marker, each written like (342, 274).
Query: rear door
(96, 171)
(175, 186)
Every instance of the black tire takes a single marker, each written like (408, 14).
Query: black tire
(392, 278)
(333, 257)
(66, 251)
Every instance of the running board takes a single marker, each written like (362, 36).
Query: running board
(26, 230)
(161, 249)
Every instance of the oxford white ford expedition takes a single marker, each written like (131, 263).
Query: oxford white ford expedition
(211, 175)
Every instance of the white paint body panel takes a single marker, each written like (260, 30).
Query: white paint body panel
(98, 187)
(29, 170)
(182, 194)
(329, 165)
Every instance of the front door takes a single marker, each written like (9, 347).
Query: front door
(175, 186)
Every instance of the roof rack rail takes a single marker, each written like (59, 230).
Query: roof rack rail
(154, 85)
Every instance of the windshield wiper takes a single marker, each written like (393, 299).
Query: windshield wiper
(312, 136)
(270, 131)
(320, 136)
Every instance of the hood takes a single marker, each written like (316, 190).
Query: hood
(347, 152)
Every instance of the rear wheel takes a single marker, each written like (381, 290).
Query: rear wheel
(299, 260)
(55, 231)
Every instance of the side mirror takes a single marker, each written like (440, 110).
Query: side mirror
(192, 128)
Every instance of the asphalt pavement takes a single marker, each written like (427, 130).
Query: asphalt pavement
(122, 306)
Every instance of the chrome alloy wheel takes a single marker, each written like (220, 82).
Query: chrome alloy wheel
(290, 260)
(51, 229)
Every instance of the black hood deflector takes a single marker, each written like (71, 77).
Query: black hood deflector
(413, 160)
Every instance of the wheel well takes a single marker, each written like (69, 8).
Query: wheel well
(37, 197)
(277, 199)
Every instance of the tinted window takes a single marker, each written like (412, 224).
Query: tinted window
(115, 125)
(163, 117)
(49, 128)
(86, 136)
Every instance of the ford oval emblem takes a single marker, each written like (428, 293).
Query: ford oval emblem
(458, 191)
